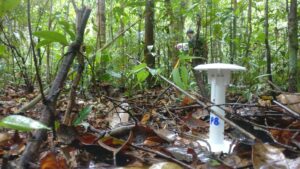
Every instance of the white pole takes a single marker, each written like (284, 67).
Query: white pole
(216, 129)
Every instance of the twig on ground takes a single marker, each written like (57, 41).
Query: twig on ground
(162, 155)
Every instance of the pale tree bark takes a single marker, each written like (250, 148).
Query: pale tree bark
(101, 23)
(101, 35)
(149, 36)
(233, 31)
(267, 46)
(293, 46)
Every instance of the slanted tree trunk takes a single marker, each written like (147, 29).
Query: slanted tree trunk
(48, 112)
(267, 46)
(72, 95)
(293, 46)
(149, 36)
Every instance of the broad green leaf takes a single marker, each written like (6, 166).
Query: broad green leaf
(176, 78)
(184, 75)
(7, 5)
(18, 122)
(142, 75)
(67, 28)
(139, 67)
(82, 115)
(52, 36)
(43, 43)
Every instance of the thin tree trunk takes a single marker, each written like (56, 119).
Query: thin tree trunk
(293, 46)
(101, 23)
(149, 36)
(72, 95)
(48, 52)
(267, 46)
(47, 116)
(101, 36)
(233, 31)
(249, 28)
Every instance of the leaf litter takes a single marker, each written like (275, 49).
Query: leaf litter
(154, 130)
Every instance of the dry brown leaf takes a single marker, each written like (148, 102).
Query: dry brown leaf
(268, 157)
(51, 161)
(145, 118)
(292, 100)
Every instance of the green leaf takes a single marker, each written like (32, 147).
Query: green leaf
(22, 123)
(142, 75)
(52, 36)
(82, 115)
(43, 43)
(176, 78)
(67, 28)
(184, 75)
(139, 67)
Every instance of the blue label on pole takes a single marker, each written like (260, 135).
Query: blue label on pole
(215, 121)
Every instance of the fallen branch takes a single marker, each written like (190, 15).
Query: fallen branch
(117, 37)
(32, 103)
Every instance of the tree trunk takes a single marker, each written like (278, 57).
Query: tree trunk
(101, 22)
(101, 35)
(249, 28)
(293, 46)
(47, 115)
(267, 52)
(233, 33)
(149, 36)
(48, 69)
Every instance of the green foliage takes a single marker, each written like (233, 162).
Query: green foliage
(7, 5)
(49, 37)
(142, 75)
(181, 77)
(67, 27)
(82, 115)
(22, 123)
(141, 72)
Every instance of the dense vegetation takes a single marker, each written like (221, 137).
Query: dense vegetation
(254, 34)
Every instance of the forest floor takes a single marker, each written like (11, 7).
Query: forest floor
(157, 128)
